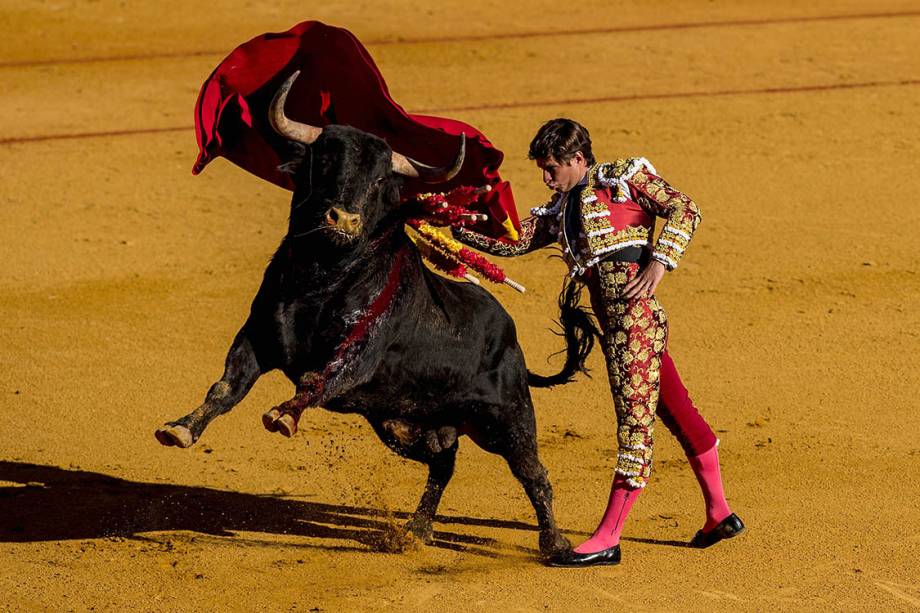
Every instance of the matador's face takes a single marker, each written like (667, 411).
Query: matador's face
(563, 176)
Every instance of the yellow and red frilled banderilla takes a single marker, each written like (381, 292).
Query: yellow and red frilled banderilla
(635, 335)
(452, 257)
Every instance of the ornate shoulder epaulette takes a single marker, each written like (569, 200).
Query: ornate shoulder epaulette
(550, 209)
(614, 175)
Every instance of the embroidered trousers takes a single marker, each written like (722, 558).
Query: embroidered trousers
(643, 378)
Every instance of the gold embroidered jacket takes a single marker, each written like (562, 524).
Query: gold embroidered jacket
(615, 210)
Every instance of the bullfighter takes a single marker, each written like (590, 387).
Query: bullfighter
(603, 215)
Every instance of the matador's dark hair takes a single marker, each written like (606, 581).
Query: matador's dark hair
(561, 138)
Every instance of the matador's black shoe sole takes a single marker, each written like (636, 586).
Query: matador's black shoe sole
(570, 559)
(729, 527)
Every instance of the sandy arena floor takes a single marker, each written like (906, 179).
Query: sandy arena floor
(795, 316)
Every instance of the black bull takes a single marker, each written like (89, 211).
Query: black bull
(350, 314)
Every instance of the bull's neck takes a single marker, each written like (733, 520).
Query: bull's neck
(365, 263)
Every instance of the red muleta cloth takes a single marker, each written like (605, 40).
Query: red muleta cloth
(339, 83)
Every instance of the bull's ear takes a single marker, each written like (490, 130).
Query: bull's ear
(298, 153)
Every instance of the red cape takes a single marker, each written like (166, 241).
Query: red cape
(339, 83)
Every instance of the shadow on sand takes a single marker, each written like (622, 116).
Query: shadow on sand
(53, 503)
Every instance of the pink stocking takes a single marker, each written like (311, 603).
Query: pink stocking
(607, 533)
(706, 468)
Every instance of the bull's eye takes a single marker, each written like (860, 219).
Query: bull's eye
(378, 180)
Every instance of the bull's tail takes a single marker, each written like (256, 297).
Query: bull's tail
(579, 331)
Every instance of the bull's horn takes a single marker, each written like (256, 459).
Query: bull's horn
(429, 174)
(288, 128)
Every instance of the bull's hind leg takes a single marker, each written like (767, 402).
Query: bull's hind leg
(440, 470)
(240, 372)
(526, 466)
(513, 436)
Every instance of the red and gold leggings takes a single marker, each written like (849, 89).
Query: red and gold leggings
(643, 379)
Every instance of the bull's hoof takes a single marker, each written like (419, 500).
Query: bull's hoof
(270, 418)
(553, 544)
(393, 539)
(175, 435)
(421, 530)
(287, 425)
(276, 421)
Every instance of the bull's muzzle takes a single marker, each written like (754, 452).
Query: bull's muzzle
(342, 223)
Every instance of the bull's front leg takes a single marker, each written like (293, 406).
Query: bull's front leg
(241, 370)
(285, 417)
(434, 446)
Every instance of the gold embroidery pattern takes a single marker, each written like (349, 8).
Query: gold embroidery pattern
(613, 170)
(593, 207)
(590, 203)
(596, 223)
(535, 233)
(682, 214)
(605, 239)
(600, 244)
(634, 339)
(655, 195)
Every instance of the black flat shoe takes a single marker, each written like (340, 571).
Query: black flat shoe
(729, 527)
(570, 559)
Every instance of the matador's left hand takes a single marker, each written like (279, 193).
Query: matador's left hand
(645, 282)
